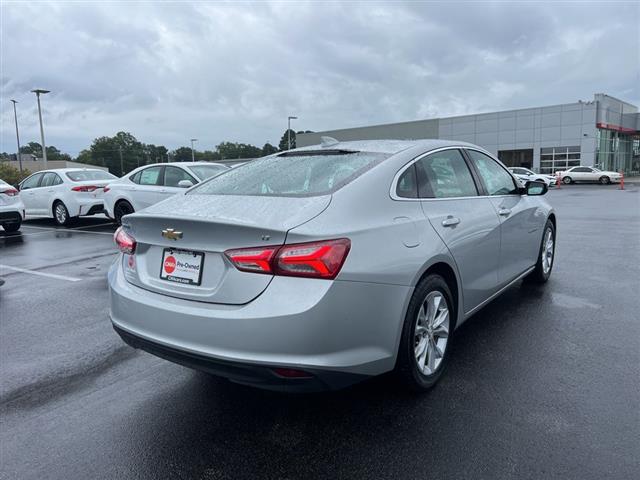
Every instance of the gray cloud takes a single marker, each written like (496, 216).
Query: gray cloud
(223, 71)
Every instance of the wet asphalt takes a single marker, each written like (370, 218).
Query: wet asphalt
(543, 383)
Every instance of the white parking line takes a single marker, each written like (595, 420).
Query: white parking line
(41, 274)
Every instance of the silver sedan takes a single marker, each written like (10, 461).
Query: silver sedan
(322, 266)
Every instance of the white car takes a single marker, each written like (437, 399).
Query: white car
(11, 207)
(527, 175)
(153, 183)
(589, 174)
(65, 194)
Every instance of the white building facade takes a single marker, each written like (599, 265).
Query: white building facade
(604, 132)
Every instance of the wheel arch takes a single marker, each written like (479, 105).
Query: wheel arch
(448, 272)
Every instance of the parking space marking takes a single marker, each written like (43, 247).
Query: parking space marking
(41, 274)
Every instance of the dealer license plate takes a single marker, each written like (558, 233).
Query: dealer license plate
(182, 266)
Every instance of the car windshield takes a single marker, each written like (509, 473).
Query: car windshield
(83, 175)
(205, 171)
(595, 169)
(294, 174)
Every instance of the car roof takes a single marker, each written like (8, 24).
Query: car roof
(387, 146)
(71, 169)
(184, 164)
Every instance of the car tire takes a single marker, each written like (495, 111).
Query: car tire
(61, 214)
(544, 264)
(120, 209)
(426, 334)
(604, 180)
(11, 227)
(567, 180)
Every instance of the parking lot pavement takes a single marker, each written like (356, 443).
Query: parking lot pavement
(543, 383)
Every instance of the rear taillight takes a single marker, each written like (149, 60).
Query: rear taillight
(12, 192)
(106, 189)
(322, 259)
(85, 188)
(125, 242)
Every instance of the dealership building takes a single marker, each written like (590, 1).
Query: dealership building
(604, 133)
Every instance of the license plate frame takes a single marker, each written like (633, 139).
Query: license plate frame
(181, 280)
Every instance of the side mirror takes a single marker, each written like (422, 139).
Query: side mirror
(536, 188)
(185, 183)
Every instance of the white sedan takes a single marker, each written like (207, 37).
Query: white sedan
(65, 194)
(527, 175)
(153, 183)
(11, 207)
(589, 174)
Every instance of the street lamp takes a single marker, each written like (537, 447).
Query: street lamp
(193, 155)
(289, 131)
(15, 116)
(39, 91)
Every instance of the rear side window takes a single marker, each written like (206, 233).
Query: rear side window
(496, 179)
(445, 174)
(173, 176)
(84, 175)
(294, 174)
(407, 183)
(50, 179)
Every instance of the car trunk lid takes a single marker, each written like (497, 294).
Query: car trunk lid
(198, 230)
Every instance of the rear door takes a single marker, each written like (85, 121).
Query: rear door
(521, 218)
(466, 222)
(49, 187)
(29, 190)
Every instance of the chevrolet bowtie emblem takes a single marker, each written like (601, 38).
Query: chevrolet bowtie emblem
(171, 234)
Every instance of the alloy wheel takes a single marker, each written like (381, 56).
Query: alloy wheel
(61, 213)
(547, 251)
(431, 333)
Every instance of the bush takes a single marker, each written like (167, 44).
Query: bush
(11, 174)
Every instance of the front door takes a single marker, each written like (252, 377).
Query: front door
(29, 193)
(466, 222)
(521, 219)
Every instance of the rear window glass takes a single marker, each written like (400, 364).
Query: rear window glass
(296, 174)
(82, 175)
(205, 171)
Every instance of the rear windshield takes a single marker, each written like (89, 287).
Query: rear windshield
(295, 174)
(82, 175)
(205, 171)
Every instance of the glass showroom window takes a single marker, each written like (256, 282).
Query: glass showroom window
(553, 159)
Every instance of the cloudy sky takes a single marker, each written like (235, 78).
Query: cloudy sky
(167, 72)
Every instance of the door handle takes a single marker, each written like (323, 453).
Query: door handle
(504, 212)
(450, 221)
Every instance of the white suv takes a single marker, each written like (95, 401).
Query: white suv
(65, 193)
(11, 207)
(153, 183)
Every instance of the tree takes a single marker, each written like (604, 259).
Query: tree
(34, 148)
(11, 174)
(284, 141)
(268, 149)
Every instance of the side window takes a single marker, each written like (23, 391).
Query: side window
(173, 176)
(150, 176)
(31, 182)
(135, 178)
(496, 179)
(444, 174)
(50, 179)
(407, 186)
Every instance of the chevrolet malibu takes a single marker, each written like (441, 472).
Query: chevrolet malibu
(322, 266)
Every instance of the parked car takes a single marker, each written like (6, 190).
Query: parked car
(11, 207)
(589, 174)
(527, 175)
(322, 266)
(153, 183)
(65, 193)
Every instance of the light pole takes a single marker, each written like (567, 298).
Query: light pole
(193, 155)
(15, 116)
(39, 91)
(289, 131)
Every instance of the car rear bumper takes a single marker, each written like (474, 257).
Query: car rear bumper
(340, 332)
